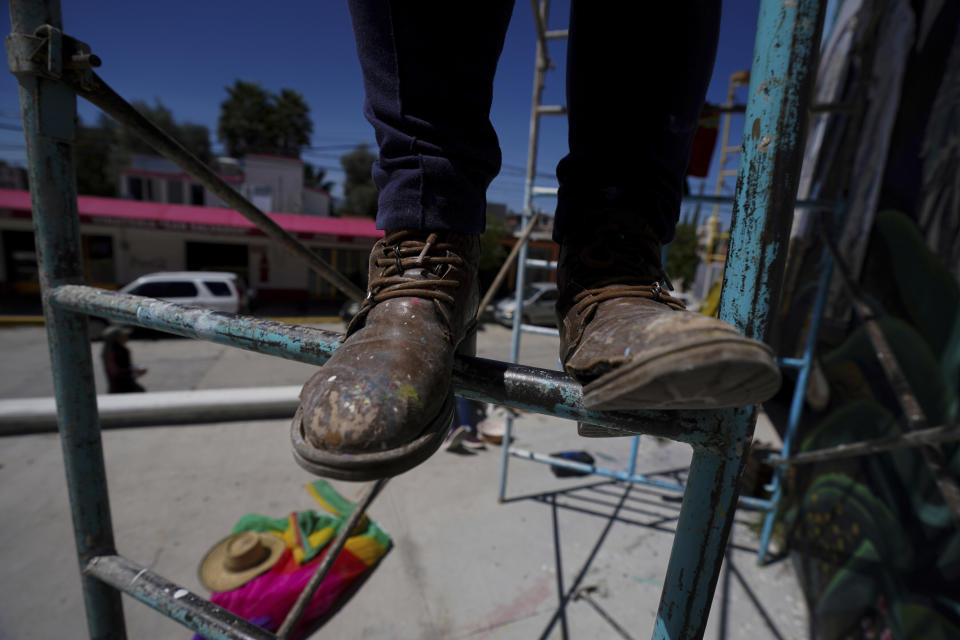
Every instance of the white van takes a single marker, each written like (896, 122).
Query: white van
(216, 290)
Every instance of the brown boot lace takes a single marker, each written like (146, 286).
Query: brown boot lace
(431, 264)
(627, 267)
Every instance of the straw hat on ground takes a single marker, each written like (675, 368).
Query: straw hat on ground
(238, 559)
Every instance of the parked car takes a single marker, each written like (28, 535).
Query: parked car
(216, 290)
(538, 301)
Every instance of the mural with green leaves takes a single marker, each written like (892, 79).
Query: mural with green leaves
(881, 553)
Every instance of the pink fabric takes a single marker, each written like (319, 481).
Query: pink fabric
(266, 599)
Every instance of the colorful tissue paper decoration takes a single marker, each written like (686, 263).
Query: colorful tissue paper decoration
(266, 599)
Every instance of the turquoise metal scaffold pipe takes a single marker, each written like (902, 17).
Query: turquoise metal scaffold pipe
(49, 121)
(782, 73)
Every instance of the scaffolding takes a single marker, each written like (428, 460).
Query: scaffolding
(737, 80)
(52, 68)
(714, 259)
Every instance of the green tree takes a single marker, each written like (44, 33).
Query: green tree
(194, 137)
(291, 123)
(359, 192)
(95, 157)
(315, 177)
(254, 120)
(682, 257)
(492, 251)
(245, 116)
(103, 148)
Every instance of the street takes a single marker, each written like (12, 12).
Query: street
(463, 565)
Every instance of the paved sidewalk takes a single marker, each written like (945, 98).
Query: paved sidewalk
(463, 565)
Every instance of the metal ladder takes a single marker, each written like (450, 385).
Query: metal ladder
(541, 14)
(543, 63)
(737, 80)
(53, 68)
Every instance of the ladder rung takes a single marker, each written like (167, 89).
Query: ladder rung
(544, 191)
(747, 501)
(541, 331)
(556, 34)
(731, 108)
(540, 264)
(552, 393)
(795, 363)
(735, 148)
(551, 110)
(729, 172)
(172, 600)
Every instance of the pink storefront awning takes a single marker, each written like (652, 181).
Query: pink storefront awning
(160, 215)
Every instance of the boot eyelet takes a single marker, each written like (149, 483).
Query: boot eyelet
(656, 290)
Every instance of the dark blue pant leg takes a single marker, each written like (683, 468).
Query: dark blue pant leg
(637, 75)
(428, 70)
(468, 413)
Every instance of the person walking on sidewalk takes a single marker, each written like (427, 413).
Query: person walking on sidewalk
(637, 75)
(121, 374)
(463, 435)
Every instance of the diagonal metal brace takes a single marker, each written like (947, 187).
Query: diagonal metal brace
(103, 96)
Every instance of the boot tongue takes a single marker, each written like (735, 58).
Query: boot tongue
(625, 250)
(414, 268)
(610, 254)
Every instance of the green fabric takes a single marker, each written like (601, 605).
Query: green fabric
(309, 522)
(340, 505)
(257, 522)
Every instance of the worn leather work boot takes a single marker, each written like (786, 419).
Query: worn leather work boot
(633, 346)
(383, 402)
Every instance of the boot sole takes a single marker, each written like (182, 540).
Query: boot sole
(719, 374)
(360, 467)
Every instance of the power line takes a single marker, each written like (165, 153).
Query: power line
(334, 147)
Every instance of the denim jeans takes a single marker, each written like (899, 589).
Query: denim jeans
(637, 75)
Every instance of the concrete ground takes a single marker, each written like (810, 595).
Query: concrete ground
(462, 566)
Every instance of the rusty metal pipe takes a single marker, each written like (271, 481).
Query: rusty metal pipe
(532, 389)
(49, 112)
(936, 435)
(172, 600)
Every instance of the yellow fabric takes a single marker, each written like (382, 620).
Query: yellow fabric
(320, 538)
(365, 548)
(711, 304)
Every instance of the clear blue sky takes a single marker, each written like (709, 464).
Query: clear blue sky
(186, 53)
